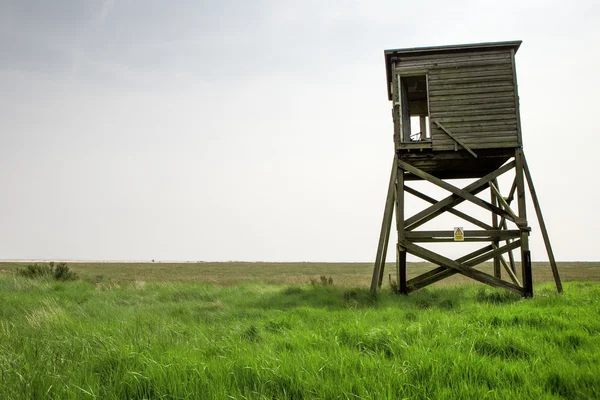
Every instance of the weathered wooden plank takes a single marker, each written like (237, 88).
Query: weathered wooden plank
(483, 132)
(489, 234)
(440, 86)
(458, 213)
(476, 106)
(510, 117)
(384, 234)
(472, 101)
(453, 56)
(476, 90)
(441, 80)
(472, 140)
(479, 146)
(470, 70)
(503, 96)
(505, 124)
(451, 59)
(409, 67)
(443, 113)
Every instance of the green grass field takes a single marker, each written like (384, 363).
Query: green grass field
(155, 331)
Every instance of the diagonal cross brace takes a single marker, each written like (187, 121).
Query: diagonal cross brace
(462, 268)
(465, 194)
(453, 200)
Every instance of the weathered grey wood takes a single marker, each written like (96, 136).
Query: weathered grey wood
(470, 91)
(453, 200)
(458, 213)
(400, 226)
(443, 73)
(404, 111)
(472, 111)
(485, 257)
(495, 224)
(493, 76)
(472, 97)
(396, 111)
(487, 61)
(423, 126)
(479, 84)
(457, 140)
(540, 217)
(490, 234)
(473, 118)
(510, 273)
(467, 271)
(454, 56)
(478, 101)
(501, 199)
(477, 106)
(455, 190)
(518, 112)
(386, 225)
(440, 273)
(525, 254)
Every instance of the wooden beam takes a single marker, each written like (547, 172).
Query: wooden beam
(509, 199)
(457, 140)
(467, 271)
(440, 207)
(502, 201)
(495, 224)
(460, 214)
(455, 190)
(540, 217)
(384, 234)
(440, 273)
(525, 253)
(509, 271)
(400, 250)
(490, 234)
(496, 252)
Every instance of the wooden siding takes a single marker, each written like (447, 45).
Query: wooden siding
(472, 94)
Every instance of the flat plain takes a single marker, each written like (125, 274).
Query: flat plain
(261, 331)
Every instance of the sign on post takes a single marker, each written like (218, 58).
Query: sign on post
(459, 234)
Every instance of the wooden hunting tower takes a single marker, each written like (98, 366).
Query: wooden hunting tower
(456, 115)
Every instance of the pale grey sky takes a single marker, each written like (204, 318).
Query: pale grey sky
(259, 130)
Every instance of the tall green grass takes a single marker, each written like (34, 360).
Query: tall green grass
(76, 340)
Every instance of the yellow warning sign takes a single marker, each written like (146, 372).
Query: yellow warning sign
(459, 234)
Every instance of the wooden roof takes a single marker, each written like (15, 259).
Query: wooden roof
(392, 54)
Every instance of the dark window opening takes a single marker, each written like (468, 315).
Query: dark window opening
(415, 108)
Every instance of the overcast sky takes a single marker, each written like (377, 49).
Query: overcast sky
(260, 130)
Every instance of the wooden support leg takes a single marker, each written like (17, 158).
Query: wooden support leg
(525, 253)
(402, 288)
(527, 276)
(384, 235)
(401, 251)
(540, 217)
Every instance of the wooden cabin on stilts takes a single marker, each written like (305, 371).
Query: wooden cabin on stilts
(456, 115)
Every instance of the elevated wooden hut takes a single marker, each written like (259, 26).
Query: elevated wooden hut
(456, 115)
